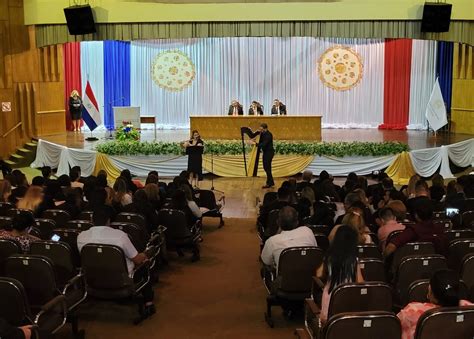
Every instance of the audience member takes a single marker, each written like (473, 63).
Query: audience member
(180, 203)
(153, 193)
(305, 180)
(122, 195)
(32, 199)
(38, 181)
(46, 172)
(142, 206)
(65, 181)
(355, 219)
(102, 179)
(21, 225)
(127, 177)
(399, 210)
(5, 190)
(282, 201)
(388, 225)
(8, 331)
(422, 194)
(190, 200)
(443, 291)
(75, 177)
(340, 265)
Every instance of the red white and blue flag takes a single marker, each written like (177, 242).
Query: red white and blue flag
(90, 110)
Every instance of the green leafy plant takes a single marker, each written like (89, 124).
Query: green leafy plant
(234, 147)
(127, 132)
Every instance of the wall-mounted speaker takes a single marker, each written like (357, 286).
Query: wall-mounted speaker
(80, 20)
(436, 17)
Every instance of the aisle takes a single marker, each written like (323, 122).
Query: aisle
(221, 296)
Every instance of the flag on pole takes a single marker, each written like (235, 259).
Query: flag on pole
(436, 110)
(90, 109)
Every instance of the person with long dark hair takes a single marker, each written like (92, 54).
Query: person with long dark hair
(340, 265)
(194, 157)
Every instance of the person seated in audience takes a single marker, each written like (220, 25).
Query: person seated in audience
(103, 199)
(290, 236)
(350, 184)
(102, 179)
(422, 194)
(423, 230)
(437, 189)
(388, 225)
(305, 181)
(355, 219)
(5, 190)
(399, 210)
(340, 265)
(65, 182)
(330, 190)
(142, 206)
(101, 233)
(38, 181)
(32, 200)
(72, 202)
(282, 201)
(153, 193)
(306, 202)
(464, 193)
(46, 172)
(190, 200)
(20, 178)
(21, 225)
(8, 331)
(127, 176)
(443, 291)
(75, 176)
(409, 190)
(122, 195)
(180, 203)
(323, 213)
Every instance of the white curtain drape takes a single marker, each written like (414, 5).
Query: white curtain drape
(259, 69)
(92, 69)
(346, 165)
(167, 166)
(71, 157)
(47, 154)
(423, 76)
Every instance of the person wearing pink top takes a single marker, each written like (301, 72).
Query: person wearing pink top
(389, 224)
(443, 291)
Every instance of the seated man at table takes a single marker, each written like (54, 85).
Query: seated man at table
(278, 108)
(235, 108)
(256, 108)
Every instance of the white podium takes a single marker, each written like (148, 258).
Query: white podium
(126, 113)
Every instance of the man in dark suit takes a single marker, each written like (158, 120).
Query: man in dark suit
(266, 147)
(278, 108)
(235, 108)
(256, 108)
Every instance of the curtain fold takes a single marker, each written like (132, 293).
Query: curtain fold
(397, 83)
(444, 70)
(116, 78)
(72, 75)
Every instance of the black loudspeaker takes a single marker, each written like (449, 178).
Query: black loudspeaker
(80, 20)
(436, 17)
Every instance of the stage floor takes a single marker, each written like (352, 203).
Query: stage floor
(414, 139)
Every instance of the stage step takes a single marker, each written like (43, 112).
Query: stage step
(24, 156)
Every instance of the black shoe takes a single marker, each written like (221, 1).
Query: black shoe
(267, 186)
(150, 310)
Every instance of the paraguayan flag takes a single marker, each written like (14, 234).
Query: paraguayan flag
(90, 109)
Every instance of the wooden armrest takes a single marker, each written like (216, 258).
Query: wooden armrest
(312, 306)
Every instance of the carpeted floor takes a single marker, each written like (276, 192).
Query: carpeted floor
(221, 296)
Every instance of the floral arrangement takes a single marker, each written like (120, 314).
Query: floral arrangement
(127, 132)
(234, 147)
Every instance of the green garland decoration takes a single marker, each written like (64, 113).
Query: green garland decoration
(234, 147)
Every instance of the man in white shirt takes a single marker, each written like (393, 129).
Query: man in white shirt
(109, 236)
(291, 236)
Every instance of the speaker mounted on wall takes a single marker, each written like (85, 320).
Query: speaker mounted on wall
(436, 17)
(79, 20)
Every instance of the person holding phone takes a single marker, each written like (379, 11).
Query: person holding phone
(21, 225)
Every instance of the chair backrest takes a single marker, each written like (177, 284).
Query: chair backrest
(207, 199)
(134, 218)
(14, 306)
(81, 225)
(412, 248)
(457, 250)
(46, 227)
(439, 215)
(296, 267)
(418, 291)
(372, 269)
(70, 237)
(468, 219)
(269, 197)
(322, 229)
(368, 251)
(61, 256)
(322, 241)
(175, 223)
(363, 325)
(392, 235)
(36, 274)
(467, 273)
(104, 267)
(416, 267)
(360, 297)
(16, 211)
(5, 207)
(446, 322)
(86, 216)
(459, 234)
(271, 227)
(445, 223)
(5, 223)
(136, 234)
(60, 217)
(8, 247)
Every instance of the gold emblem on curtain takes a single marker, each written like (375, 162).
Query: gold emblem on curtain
(340, 68)
(173, 70)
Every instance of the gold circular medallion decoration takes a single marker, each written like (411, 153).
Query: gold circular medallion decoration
(340, 68)
(173, 70)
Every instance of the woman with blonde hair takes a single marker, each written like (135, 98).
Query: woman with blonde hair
(410, 190)
(122, 196)
(75, 108)
(355, 219)
(5, 190)
(32, 199)
(152, 191)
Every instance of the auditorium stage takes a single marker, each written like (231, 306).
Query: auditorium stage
(414, 139)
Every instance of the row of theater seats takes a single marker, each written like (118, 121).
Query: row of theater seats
(366, 310)
(45, 286)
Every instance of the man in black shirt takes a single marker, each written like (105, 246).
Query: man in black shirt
(266, 146)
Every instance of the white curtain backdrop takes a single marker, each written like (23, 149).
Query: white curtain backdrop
(92, 69)
(423, 76)
(259, 69)
(47, 154)
(346, 165)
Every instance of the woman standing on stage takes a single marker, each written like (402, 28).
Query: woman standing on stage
(194, 148)
(75, 107)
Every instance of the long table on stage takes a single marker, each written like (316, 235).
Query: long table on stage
(282, 127)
